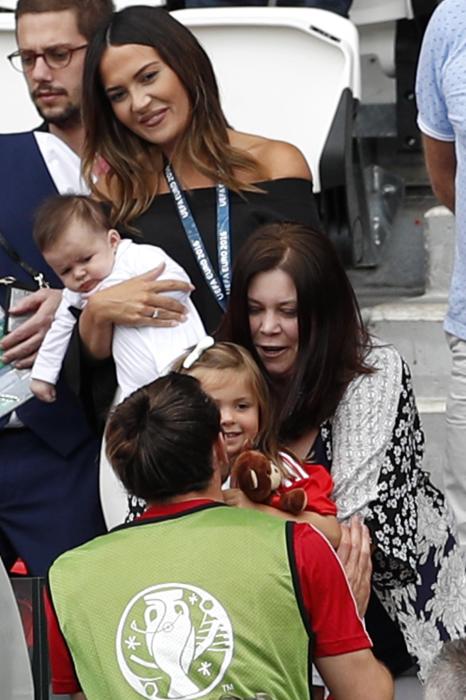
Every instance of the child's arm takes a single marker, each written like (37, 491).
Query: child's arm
(52, 351)
(328, 525)
(44, 391)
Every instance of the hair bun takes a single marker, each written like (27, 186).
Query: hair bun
(141, 410)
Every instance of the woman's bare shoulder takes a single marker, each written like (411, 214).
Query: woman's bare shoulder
(278, 158)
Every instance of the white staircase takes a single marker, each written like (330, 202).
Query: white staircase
(415, 327)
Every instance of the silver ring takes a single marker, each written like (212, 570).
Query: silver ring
(155, 313)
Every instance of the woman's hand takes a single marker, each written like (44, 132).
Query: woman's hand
(133, 302)
(21, 345)
(140, 301)
(354, 552)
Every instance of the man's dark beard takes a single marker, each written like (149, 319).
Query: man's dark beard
(68, 119)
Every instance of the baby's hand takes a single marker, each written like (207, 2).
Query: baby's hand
(43, 390)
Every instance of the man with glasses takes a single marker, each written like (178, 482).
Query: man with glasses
(58, 105)
(49, 498)
(52, 37)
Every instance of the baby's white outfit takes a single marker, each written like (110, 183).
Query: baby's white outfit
(141, 353)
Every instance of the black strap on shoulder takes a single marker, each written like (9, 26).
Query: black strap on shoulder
(37, 276)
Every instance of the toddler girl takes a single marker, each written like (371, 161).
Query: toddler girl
(230, 376)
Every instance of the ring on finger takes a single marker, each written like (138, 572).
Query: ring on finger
(155, 313)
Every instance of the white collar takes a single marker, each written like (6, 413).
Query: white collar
(64, 165)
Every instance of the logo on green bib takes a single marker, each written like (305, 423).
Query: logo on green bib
(174, 641)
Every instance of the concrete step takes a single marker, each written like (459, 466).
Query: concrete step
(415, 328)
(414, 325)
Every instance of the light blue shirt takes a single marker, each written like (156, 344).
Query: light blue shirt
(441, 100)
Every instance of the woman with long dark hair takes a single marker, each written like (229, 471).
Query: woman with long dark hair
(345, 399)
(175, 173)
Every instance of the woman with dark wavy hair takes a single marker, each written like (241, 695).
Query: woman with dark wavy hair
(174, 171)
(344, 399)
(328, 344)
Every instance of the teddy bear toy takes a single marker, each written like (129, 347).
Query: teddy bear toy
(261, 481)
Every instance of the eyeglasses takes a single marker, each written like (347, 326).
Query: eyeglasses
(55, 57)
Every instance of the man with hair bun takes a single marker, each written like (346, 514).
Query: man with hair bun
(197, 598)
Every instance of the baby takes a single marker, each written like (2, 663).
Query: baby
(75, 237)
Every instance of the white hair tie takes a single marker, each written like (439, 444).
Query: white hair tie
(196, 353)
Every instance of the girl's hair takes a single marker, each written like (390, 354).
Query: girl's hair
(54, 216)
(333, 342)
(228, 356)
(160, 439)
(205, 144)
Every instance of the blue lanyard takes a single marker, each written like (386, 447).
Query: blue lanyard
(219, 287)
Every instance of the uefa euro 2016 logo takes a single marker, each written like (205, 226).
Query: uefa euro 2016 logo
(174, 641)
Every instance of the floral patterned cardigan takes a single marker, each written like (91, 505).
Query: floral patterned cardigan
(374, 445)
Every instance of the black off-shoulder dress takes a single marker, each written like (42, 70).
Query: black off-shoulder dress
(287, 199)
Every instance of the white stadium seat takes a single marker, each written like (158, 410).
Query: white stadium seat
(281, 71)
(376, 21)
(294, 74)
